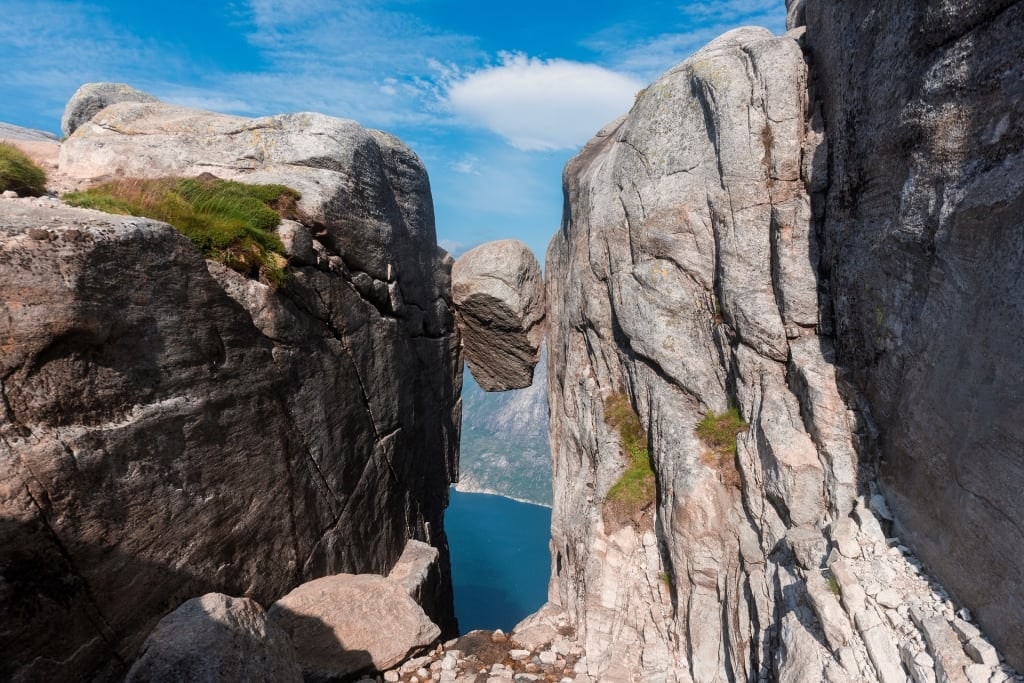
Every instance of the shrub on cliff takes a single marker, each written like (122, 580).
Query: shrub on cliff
(718, 431)
(230, 222)
(635, 490)
(18, 173)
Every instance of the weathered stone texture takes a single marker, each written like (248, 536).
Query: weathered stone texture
(684, 275)
(92, 98)
(216, 639)
(345, 624)
(924, 245)
(498, 293)
(170, 428)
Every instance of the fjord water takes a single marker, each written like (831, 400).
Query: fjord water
(500, 559)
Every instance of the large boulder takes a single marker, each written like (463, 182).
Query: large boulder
(925, 245)
(92, 98)
(172, 428)
(216, 639)
(498, 292)
(346, 624)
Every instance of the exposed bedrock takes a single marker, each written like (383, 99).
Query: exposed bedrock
(717, 251)
(924, 246)
(498, 293)
(684, 276)
(169, 428)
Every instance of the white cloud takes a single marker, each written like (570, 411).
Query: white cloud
(468, 164)
(542, 104)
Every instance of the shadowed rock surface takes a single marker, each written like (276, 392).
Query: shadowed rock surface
(170, 428)
(498, 293)
(345, 624)
(213, 639)
(924, 246)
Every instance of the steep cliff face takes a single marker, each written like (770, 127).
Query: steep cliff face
(715, 251)
(170, 428)
(684, 276)
(924, 246)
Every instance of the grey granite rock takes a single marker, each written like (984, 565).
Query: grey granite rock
(498, 293)
(923, 240)
(92, 98)
(216, 639)
(170, 427)
(346, 624)
(684, 222)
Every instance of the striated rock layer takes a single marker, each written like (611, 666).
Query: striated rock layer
(924, 246)
(684, 277)
(170, 428)
(718, 252)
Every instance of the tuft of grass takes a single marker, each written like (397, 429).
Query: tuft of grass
(719, 431)
(18, 173)
(230, 222)
(635, 489)
(833, 585)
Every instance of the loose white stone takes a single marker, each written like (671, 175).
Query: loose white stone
(391, 677)
(889, 598)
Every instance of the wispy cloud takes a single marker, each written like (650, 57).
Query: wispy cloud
(628, 48)
(542, 104)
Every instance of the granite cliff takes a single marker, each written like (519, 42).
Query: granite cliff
(819, 231)
(170, 427)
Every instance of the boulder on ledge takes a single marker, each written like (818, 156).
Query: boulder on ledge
(498, 293)
(351, 623)
(216, 638)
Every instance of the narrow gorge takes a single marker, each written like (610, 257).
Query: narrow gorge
(780, 325)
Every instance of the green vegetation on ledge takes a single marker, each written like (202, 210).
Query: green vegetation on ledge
(719, 431)
(18, 173)
(635, 489)
(233, 223)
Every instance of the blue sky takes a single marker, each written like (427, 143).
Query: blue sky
(495, 97)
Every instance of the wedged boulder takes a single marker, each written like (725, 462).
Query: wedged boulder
(347, 623)
(92, 98)
(498, 292)
(216, 639)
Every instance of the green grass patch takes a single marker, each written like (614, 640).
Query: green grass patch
(18, 173)
(635, 489)
(230, 222)
(719, 431)
(833, 585)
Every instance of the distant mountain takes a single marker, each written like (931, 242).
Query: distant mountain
(505, 440)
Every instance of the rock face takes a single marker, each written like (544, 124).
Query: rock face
(170, 428)
(499, 303)
(924, 242)
(689, 277)
(214, 639)
(684, 277)
(345, 624)
(91, 98)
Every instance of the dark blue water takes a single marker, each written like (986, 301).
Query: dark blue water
(500, 559)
